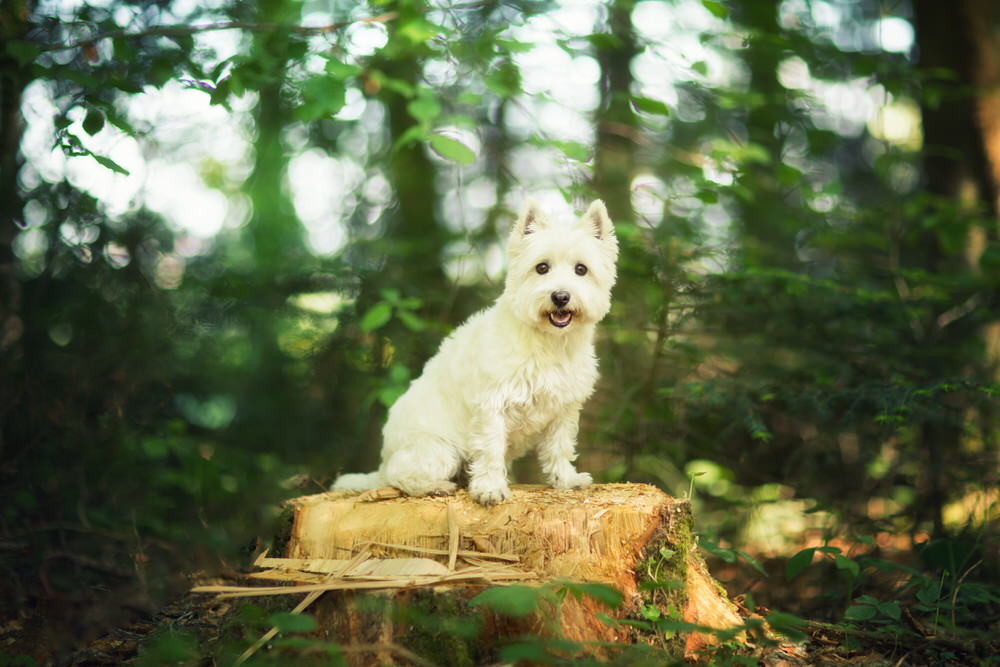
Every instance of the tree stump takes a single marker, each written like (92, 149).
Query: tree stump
(437, 553)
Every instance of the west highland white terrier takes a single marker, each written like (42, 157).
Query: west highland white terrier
(514, 376)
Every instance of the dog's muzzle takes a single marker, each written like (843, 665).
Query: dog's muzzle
(562, 316)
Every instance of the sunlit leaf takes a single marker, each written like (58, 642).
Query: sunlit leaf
(514, 46)
(451, 149)
(718, 9)
(425, 109)
(574, 150)
(322, 96)
(376, 317)
(649, 105)
(341, 70)
(511, 600)
(603, 593)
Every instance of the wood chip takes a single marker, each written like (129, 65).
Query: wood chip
(453, 537)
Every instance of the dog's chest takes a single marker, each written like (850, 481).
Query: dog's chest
(535, 397)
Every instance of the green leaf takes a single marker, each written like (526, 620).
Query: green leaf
(752, 562)
(860, 612)
(289, 622)
(708, 196)
(606, 595)
(110, 164)
(788, 625)
(452, 149)
(798, 562)
(891, 609)
(718, 9)
(23, 52)
(322, 96)
(649, 105)
(410, 321)
(94, 122)
(413, 134)
(342, 71)
(928, 594)
(155, 448)
(513, 45)
(844, 563)
(574, 150)
(376, 317)
(424, 109)
(530, 652)
(511, 600)
(788, 175)
(171, 648)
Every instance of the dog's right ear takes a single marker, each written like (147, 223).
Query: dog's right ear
(532, 219)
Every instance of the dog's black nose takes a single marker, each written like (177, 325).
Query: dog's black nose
(560, 298)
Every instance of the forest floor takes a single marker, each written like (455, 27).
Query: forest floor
(198, 623)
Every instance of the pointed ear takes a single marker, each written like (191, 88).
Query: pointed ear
(532, 219)
(596, 219)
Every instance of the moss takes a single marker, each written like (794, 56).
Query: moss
(663, 568)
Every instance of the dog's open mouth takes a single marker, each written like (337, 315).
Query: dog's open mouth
(561, 318)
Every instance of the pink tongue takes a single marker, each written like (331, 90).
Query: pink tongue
(561, 318)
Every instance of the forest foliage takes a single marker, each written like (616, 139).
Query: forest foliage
(232, 233)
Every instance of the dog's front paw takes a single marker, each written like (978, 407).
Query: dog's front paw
(488, 493)
(576, 480)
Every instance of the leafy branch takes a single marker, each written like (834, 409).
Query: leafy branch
(188, 30)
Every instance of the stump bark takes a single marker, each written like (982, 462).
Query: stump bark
(380, 550)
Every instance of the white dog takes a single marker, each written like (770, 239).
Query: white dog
(514, 376)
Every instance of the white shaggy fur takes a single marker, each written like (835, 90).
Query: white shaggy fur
(514, 376)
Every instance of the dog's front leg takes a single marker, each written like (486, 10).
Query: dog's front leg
(557, 451)
(487, 462)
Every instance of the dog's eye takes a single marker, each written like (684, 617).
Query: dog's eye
(541, 268)
(581, 270)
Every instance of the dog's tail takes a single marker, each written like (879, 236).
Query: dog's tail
(358, 482)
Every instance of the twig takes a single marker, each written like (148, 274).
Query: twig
(906, 639)
(510, 558)
(300, 607)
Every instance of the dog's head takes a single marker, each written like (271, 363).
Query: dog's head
(560, 275)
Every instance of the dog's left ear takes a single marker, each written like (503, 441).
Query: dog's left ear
(596, 219)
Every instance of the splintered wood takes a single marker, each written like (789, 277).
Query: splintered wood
(623, 535)
(594, 534)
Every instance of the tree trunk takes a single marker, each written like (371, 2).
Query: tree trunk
(433, 554)
(961, 163)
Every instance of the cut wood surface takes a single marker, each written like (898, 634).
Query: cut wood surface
(623, 535)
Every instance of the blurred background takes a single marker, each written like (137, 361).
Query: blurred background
(232, 232)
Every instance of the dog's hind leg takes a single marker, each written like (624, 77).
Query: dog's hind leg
(423, 468)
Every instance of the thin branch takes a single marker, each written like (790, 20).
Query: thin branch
(187, 30)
